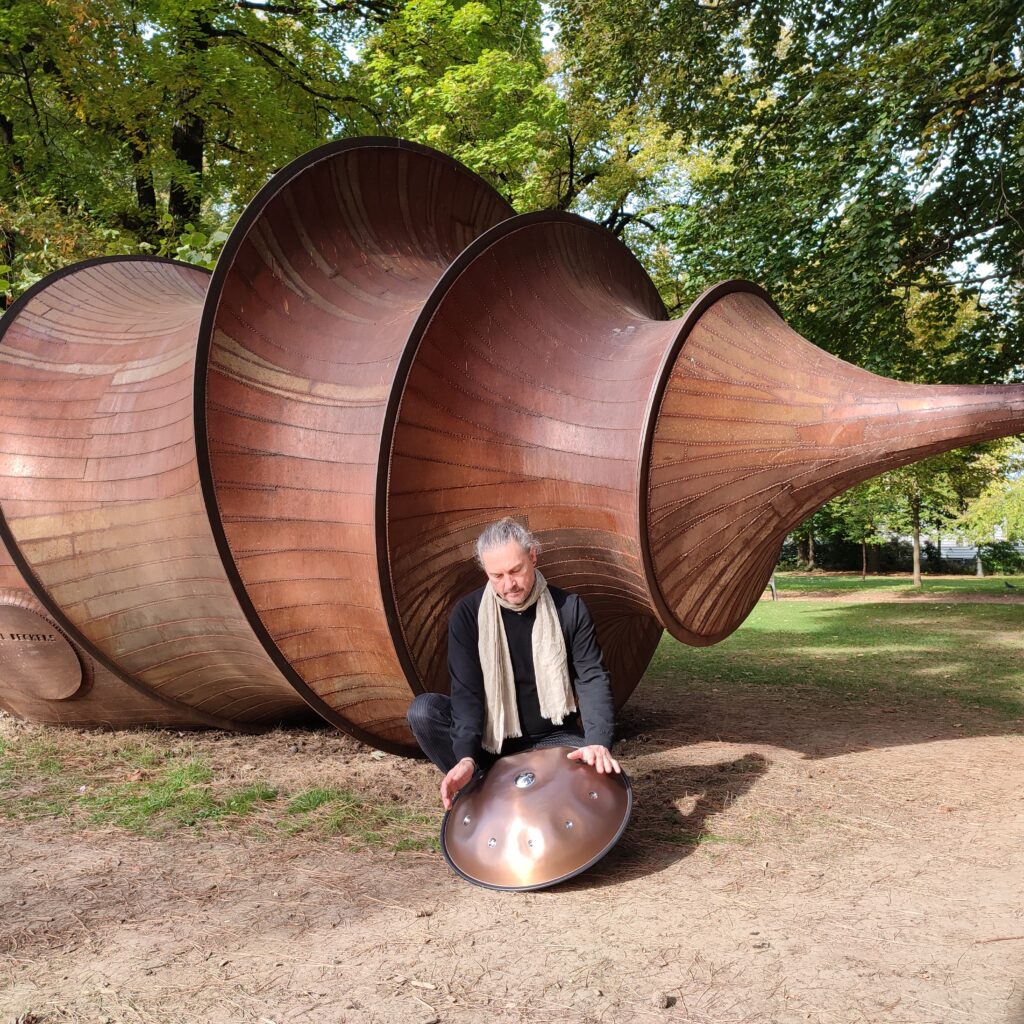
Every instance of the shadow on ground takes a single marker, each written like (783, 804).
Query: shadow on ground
(660, 833)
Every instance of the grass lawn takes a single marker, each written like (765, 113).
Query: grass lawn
(881, 653)
(152, 783)
(898, 583)
(972, 653)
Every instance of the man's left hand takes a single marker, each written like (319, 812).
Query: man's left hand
(597, 756)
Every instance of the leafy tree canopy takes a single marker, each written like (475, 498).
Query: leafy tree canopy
(863, 160)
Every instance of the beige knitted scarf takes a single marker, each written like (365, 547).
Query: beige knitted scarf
(550, 666)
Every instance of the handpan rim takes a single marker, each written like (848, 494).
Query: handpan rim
(24, 567)
(225, 262)
(621, 776)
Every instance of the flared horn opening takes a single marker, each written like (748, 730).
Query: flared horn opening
(525, 393)
(99, 488)
(308, 314)
(752, 429)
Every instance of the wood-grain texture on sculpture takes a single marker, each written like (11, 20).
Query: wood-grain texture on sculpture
(100, 489)
(528, 392)
(92, 696)
(308, 315)
(231, 494)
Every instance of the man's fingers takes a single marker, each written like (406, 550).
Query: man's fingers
(598, 757)
(452, 783)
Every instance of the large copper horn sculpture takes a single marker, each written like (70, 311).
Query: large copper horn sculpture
(100, 491)
(661, 462)
(386, 362)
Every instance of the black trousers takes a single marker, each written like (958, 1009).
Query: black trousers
(430, 718)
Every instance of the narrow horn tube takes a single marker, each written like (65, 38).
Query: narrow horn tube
(751, 429)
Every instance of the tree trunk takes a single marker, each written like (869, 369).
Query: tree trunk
(7, 133)
(7, 235)
(801, 551)
(145, 191)
(187, 143)
(863, 560)
(916, 513)
(810, 550)
(979, 569)
(873, 557)
(188, 135)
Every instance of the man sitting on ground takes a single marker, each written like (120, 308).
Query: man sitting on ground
(517, 649)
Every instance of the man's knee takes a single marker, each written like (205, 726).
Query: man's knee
(427, 709)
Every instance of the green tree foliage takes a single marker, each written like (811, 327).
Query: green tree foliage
(998, 511)
(123, 120)
(144, 125)
(469, 78)
(921, 498)
(862, 514)
(864, 161)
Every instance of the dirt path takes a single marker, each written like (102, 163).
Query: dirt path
(854, 864)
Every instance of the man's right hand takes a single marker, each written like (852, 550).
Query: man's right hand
(458, 777)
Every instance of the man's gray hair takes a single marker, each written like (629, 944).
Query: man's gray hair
(503, 532)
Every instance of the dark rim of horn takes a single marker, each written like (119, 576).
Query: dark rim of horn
(686, 323)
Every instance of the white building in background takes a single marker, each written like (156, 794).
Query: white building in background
(955, 549)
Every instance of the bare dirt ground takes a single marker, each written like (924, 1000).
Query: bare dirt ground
(792, 858)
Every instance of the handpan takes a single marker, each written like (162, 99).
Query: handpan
(535, 820)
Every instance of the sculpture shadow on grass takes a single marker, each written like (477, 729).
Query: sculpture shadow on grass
(841, 678)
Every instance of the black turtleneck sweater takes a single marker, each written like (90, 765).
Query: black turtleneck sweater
(586, 673)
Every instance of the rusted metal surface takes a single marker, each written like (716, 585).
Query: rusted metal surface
(100, 491)
(536, 819)
(244, 492)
